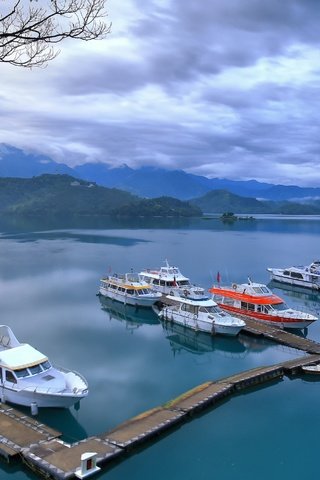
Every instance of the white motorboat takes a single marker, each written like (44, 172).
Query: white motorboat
(201, 315)
(302, 276)
(169, 280)
(128, 289)
(312, 368)
(27, 376)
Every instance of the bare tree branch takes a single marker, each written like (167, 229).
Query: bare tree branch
(29, 27)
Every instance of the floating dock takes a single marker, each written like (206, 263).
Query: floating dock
(42, 450)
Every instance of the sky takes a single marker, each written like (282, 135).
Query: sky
(220, 88)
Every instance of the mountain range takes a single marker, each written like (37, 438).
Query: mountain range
(149, 182)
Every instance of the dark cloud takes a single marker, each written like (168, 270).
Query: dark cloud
(226, 89)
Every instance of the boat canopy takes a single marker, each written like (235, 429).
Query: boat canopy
(269, 299)
(22, 356)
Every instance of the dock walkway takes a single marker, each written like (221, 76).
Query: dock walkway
(41, 448)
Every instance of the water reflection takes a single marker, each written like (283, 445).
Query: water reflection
(184, 339)
(131, 316)
(77, 236)
(61, 419)
(307, 298)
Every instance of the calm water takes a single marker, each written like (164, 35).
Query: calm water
(49, 277)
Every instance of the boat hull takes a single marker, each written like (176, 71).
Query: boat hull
(47, 400)
(135, 301)
(211, 327)
(295, 282)
(278, 321)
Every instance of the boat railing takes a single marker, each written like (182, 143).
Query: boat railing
(65, 371)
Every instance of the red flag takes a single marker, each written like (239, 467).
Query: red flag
(218, 277)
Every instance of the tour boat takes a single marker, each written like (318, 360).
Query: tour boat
(201, 315)
(128, 289)
(169, 280)
(302, 276)
(28, 378)
(258, 301)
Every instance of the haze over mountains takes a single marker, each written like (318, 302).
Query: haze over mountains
(150, 182)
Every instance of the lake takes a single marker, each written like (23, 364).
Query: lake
(49, 276)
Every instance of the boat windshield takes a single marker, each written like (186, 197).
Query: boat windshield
(279, 306)
(184, 283)
(32, 370)
(214, 309)
(143, 291)
(260, 290)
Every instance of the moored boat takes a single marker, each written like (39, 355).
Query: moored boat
(312, 368)
(303, 276)
(27, 376)
(201, 315)
(256, 300)
(169, 280)
(128, 289)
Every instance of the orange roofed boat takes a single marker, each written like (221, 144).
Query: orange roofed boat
(258, 301)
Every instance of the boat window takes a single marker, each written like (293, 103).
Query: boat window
(35, 369)
(162, 283)
(296, 275)
(286, 272)
(267, 308)
(183, 283)
(22, 372)
(130, 292)
(257, 289)
(10, 377)
(280, 306)
(228, 301)
(244, 305)
(45, 365)
(156, 281)
(189, 308)
(265, 290)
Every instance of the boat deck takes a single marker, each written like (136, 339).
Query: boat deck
(42, 450)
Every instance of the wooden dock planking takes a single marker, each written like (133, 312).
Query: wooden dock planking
(59, 460)
(143, 427)
(200, 397)
(18, 431)
(254, 376)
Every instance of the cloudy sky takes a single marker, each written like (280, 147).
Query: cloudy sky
(221, 88)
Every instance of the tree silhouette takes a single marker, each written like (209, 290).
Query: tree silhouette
(30, 28)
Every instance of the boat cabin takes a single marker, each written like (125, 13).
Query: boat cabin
(12, 368)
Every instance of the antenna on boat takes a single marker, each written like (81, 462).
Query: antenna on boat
(249, 280)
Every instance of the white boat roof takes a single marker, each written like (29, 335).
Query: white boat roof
(22, 356)
(168, 273)
(313, 268)
(126, 280)
(208, 302)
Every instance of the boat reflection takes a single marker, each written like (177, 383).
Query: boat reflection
(183, 339)
(132, 317)
(62, 420)
(310, 300)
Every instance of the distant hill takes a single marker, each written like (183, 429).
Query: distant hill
(65, 195)
(220, 201)
(150, 182)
